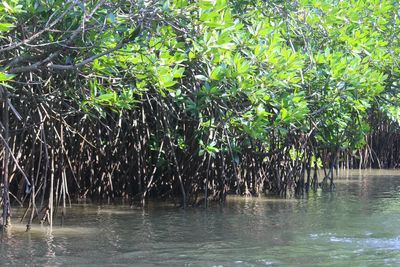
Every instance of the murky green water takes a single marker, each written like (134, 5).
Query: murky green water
(358, 225)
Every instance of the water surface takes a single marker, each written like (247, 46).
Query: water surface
(357, 225)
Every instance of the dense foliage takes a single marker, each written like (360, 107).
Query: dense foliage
(108, 99)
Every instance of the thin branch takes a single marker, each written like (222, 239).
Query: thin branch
(12, 46)
(13, 157)
(50, 65)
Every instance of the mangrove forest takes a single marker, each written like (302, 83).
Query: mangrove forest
(191, 101)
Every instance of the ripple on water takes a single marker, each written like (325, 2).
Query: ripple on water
(341, 239)
(382, 243)
(361, 243)
(267, 262)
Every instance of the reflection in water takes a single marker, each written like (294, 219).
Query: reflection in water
(357, 225)
(50, 253)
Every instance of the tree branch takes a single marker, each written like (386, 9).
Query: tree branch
(50, 65)
(12, 46)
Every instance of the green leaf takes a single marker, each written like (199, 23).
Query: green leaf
(6, 77)
(206, 4)
(218, 73)
(108, 97)
(201, 77)
(284, 113)
(5, 26)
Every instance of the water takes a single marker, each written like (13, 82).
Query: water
(358, 225)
